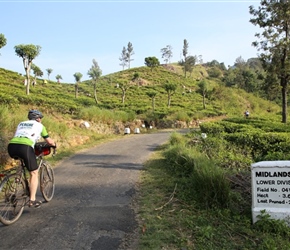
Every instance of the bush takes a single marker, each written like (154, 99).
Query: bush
(211, 128)
(199, 178)
(208, 183)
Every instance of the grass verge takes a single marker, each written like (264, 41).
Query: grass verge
(169, 222)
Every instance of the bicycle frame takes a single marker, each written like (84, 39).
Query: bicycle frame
(14, 188)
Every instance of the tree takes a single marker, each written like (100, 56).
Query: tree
(188, 61)
(58, 78)
(123, 58)
(95, 72)
(184, 53)
(49, 71)
(129, 54)
(152, 62)
(273, 17)
(27, 52)
(170, 90)
(136, 78)
(240, 62)
(189, 64)
(78, 76)
(3, 41)
(152, 94)
(124, 86)
(37, 72)
(203, 88)
(167, 53)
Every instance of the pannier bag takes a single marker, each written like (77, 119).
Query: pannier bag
(42, 148)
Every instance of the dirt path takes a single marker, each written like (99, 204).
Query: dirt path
(92, 204)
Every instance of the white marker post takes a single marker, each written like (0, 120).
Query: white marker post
(271, 189)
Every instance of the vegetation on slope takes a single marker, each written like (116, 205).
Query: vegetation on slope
(196, 192)
(59, 103)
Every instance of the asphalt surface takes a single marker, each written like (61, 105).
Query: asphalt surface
(92, 205)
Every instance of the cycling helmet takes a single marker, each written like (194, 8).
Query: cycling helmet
(34, 114)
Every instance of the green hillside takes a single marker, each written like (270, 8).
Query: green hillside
(186, 102)
(64, 113)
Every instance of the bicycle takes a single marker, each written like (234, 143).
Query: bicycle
(14, 186)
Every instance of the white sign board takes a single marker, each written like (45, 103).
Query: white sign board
(271, 189)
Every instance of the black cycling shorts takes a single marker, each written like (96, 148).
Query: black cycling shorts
(24, 152)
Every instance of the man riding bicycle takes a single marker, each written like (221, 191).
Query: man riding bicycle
(22, 145)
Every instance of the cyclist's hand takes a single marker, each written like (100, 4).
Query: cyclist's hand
(54, 149)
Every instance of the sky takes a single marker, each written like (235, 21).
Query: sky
(73, 33)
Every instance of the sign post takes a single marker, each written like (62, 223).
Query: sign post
(271, 189)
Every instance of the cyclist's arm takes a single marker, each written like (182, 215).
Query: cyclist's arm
(46, 137)
(50, 141)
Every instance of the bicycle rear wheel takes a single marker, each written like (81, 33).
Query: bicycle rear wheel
(47, 181)
(12, 198)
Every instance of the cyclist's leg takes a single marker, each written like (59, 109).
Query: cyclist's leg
(33, 184)
(26, 153)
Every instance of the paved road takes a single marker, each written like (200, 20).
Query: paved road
(92, 204)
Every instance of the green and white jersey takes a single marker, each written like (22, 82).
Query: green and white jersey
(29, 132)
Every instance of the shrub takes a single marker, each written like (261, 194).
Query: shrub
(211, 128)
(209, 184)
(200, 179)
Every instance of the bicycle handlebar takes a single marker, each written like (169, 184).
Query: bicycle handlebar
(54, 150)
(43, 148)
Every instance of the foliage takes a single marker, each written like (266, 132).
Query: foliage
(220, 100)
(123, 57)
(168, 222)
(27, 52)
(129, 53)
(170, 89)
(167, 53)
(49, 71)
(3, 41)
(189, 193)
(95, 73)
(152, 62)
(58, 78)
(272, 17)
(37, 72)
(95, 114)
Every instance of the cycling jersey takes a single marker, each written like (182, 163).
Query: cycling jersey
(29, 132)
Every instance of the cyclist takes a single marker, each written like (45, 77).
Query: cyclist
(22, 145)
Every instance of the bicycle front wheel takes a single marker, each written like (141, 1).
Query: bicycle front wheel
(12, 198)
(46, 181)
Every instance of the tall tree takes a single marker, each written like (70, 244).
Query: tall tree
(152, 62)
(3, 41)
(94, 73)
(274, 18)
(58, 78)
(78, 76)
(203, 88)
(152, 94)
(130, 52)
(189, 64)
(185, 48)
(37, 72)
(27, 52)
(124, 86)
(49, 71)
(170, 90)
(167, 53)
(123, 57)
(186, 61)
